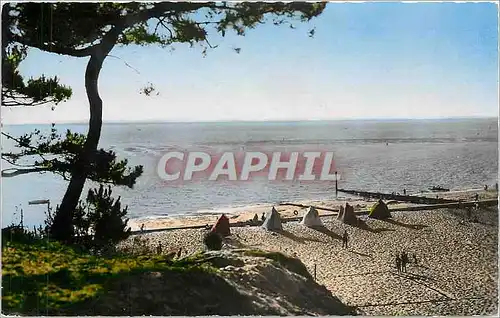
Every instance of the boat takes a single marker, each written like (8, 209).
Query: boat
(439, 189)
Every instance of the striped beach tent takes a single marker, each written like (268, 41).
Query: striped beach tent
(380, 211)
(311, 218)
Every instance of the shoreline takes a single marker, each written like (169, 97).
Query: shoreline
(246, 213)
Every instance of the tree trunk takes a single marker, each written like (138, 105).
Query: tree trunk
(62, 227)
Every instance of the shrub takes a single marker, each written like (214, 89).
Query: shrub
(19, 234)
(107, 218)
(98, 223)
(213, 241)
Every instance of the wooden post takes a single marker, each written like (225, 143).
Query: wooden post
(314, 271)
(336, 185)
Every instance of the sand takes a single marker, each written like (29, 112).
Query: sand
(456, 272)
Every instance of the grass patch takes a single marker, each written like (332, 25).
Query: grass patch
(47, 278)
(292, 264)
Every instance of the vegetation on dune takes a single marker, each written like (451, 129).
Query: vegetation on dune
(48, 278)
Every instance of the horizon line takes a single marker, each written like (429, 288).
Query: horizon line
(82, 122)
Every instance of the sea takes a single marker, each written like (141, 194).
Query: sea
(371, 155)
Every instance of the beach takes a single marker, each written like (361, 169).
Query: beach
(455, 274)
(244, 214)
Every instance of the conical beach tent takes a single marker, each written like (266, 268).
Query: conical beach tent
(379, 211)
(311, 218)
(347, 215)
(222, 226)
(272, 221)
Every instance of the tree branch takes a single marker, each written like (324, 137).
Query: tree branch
(34, 149)
(166, 27)
(4, 157)
(18, 141)
(16, 103)
(16, 172)
(52, 49)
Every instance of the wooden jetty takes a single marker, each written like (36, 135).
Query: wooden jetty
(420, 207)
(397, 197)
(452, 205)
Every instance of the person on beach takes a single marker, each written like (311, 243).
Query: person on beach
(255, 219)
(404, 261)
(345, 239)
(404, 191)
(142, 228)
(485, 187)
(398, 263)
(477, 197)
(263, 217)
(496, 186)
(415, 258)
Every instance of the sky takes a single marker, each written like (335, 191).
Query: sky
(366, 60)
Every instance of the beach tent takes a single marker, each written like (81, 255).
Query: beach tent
(311, 218)
(379, 211)
(347, 216)
(272, 221)
(222, 226)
